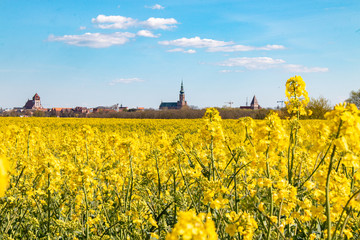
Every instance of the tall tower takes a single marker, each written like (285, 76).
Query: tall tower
(37, 103)
(254, 103)
(181, 103)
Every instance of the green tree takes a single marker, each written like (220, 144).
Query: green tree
(319, 106)
(354, 98)
(38, 113)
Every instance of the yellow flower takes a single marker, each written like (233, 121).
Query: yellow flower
(3, 175)
(297, 96)
(152, 221)
(274, 219)
(192, 226)
(312, 236)
(309, 185)
(348, 233)
(261, 207)
(231, 229)
(154, 235)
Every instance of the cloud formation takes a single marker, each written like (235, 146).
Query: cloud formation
(94, 40)
(300, 68)
(229, 71)
(114, 22)
(160, 23)
(156, 6)
(217, 46)
(182, 50)
(195, 42)
(244, 48)
(121, 22)
(146, 33)
(125, 80)
(252, 63)
(262, 63)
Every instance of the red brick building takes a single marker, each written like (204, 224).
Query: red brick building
(33, 104)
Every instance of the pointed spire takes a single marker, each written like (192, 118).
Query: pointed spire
(36, 97)
(182, 87)
(254, 101)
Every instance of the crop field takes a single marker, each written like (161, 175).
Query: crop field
(182, 179)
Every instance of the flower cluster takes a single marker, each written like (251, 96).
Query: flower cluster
(192, 226)
(297, 96)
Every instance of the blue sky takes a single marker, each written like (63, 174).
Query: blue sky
(135, 53)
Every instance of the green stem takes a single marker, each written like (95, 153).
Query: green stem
(235, 186)
(343, 211)
(86, 213)
(279, 216)
(174, 221)
(271, 213)
(158, 174)
(48, 203)
(316, 168)
(187, 188)
(212, 158)
(327, 188)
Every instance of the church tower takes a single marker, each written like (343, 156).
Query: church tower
(254, 103)
(181, 103)
(34, 103)
(37, 103)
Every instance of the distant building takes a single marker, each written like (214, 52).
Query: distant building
(33, 104)
(141, 109)
(113, 108)
(81, 110)
(60, 110)
(103, 109)
(176, 105)
(122, 108)
(253, 105)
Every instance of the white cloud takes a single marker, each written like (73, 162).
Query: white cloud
(114, 22)
(125, 80)
(160, 23)
(252, 63)
(82, 28)
(146, 33)
(121, 22)
(216, 46)
(94, 40)
(300, 68)
(156, 6)
(190, 51)
(262, 63)
(228, 71)
(182, 50)
(196, 42)
(244, 48)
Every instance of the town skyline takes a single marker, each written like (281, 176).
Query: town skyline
(98, 53)
(35, 104)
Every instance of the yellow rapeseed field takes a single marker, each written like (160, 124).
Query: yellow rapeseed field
(183, 179)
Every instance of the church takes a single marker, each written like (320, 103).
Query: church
(34, 103)
(254, 105)
(175, 105)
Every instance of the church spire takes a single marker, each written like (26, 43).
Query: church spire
(182, 87)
